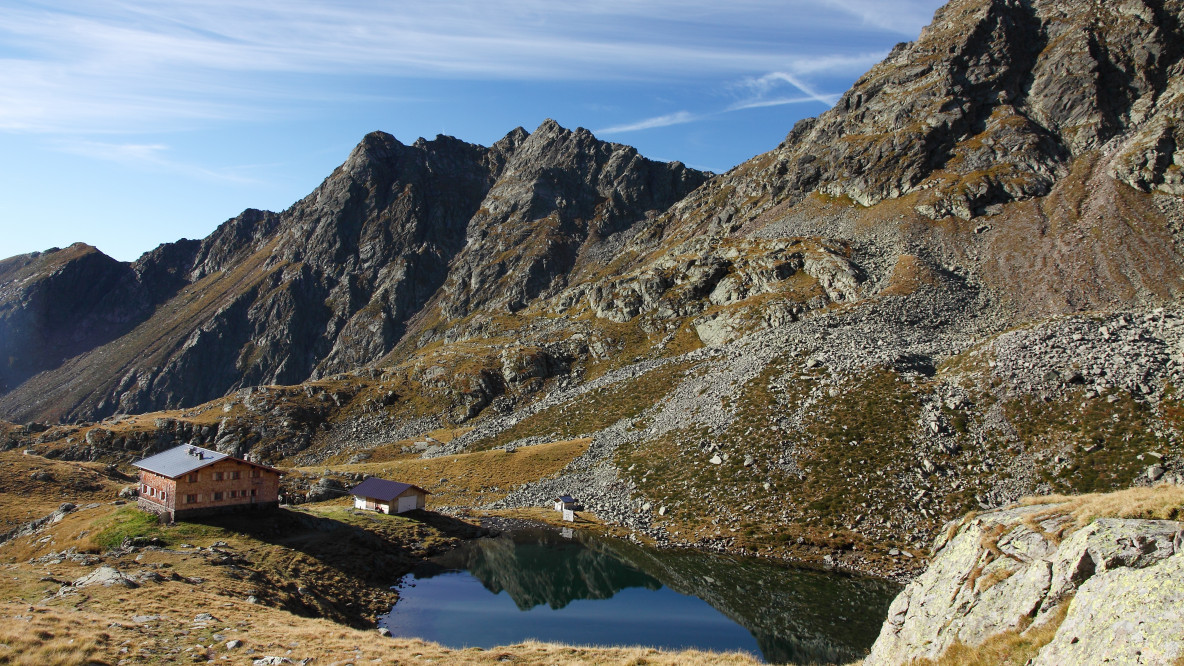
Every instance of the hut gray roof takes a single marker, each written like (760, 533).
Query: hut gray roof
(184, 459)
(381, 489)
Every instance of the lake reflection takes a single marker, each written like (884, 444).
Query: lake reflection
(595, 591)
(537, 567)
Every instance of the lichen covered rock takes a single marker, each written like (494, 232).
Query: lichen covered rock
(1004, 571)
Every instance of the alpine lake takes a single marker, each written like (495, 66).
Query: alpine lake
(571, 586)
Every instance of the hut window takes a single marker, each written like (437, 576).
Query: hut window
(191, 499)
(234, 475)
(254, 474)
(253, 492)
(217, 476)
(192, 478)
(217, 497)
(233, 494)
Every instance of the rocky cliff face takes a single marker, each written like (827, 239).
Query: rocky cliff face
(562, 192)
(331, 283)
(1109, 591)
(1028, 148)
(991, 105)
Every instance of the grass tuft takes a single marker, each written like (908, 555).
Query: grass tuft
(1007, 648)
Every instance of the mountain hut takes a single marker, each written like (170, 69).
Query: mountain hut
(188, 481)
(375, 494)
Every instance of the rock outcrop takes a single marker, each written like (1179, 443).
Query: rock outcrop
(1012, 569)
(62, 302)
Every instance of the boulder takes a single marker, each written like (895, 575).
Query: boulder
(105, 576)
(1002, 571)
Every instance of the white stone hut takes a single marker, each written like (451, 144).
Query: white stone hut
(375, 494)
(566, 502)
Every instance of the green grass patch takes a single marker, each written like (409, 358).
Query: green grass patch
(132, 523)
(128, 523)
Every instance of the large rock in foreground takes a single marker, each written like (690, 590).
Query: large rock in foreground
(1015, 570)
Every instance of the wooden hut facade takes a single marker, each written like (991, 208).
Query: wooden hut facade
(190, 481)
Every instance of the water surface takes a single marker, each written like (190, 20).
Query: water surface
(589, 590)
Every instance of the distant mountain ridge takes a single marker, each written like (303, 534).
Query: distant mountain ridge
(326, 286)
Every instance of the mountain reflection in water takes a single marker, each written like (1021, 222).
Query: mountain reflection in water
(604, 591)
(537, 567)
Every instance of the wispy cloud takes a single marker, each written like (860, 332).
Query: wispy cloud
(115, 66)
(798, 74)
(903, 17)
(771, 81)
(768, 90)
(775, 101)
(153, 156)
(678, 118)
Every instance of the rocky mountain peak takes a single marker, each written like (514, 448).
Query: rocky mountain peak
(998, 102)
(989, 105)
(560, 190)
(510, 142)
(331, 283)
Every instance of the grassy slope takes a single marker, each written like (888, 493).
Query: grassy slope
(470, 479)
(32, 487)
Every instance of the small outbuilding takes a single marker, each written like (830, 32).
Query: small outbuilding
(565, 502)
(189, 481)
(375, 494)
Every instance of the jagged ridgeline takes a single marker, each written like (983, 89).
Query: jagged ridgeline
(958, 285)
(327, 286)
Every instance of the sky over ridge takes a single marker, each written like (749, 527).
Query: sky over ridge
(130, 123)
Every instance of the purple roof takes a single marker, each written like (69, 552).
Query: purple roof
(381, 489)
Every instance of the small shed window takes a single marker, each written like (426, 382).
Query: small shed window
(217, 497)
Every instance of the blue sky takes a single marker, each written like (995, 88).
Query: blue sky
(130, 123)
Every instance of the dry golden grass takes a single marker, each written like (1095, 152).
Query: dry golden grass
(909, 275)
(23, 498)
(1007, 648)
(1162, 502)
(103, 632)
(469, 479)
(48, 638)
